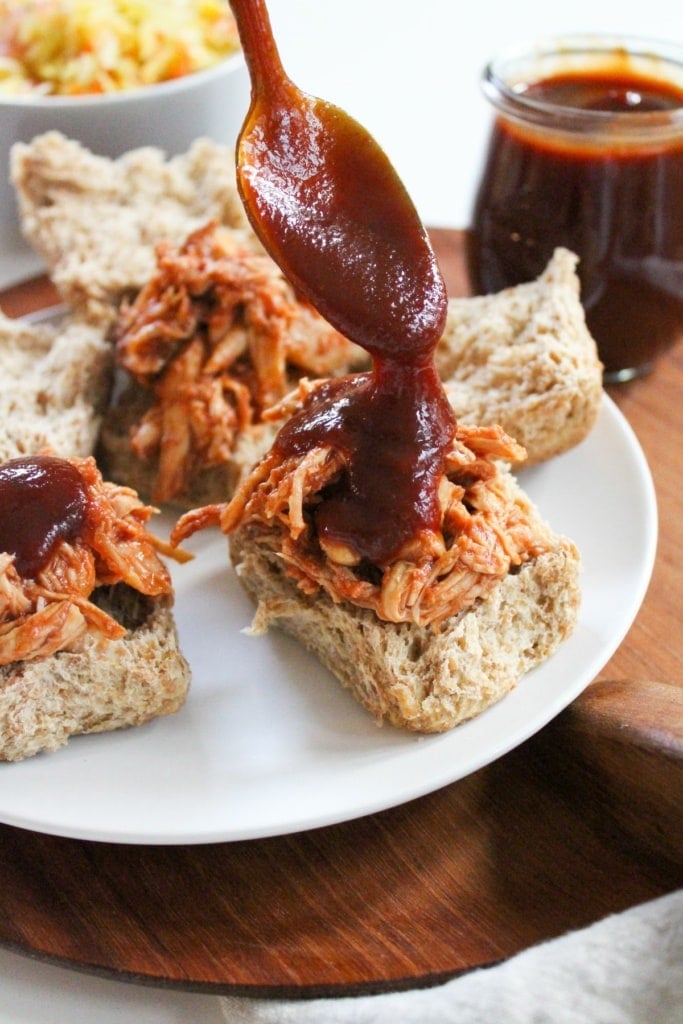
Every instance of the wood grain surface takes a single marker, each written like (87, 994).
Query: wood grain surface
(581, 821)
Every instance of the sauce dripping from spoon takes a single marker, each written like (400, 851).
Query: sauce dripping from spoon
(330, 209)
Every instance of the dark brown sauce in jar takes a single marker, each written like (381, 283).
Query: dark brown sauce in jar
(327, 205)
(43, 501)
(608, 186)
(614, 92)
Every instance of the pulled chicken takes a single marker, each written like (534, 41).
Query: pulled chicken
(485, 529)
(217, 336)
(52, 606)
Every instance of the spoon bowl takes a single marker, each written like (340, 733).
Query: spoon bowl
(344, 249)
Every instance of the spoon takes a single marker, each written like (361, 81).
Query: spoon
(330, 209)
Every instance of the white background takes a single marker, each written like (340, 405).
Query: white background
(411, 74)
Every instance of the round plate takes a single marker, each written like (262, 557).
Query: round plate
(269, 743)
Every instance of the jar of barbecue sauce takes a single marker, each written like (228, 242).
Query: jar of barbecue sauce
(586, 152)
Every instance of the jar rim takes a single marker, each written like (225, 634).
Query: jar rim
(505, 75)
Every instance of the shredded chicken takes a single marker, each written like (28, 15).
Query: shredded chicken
(218, 336)
(484, 533)
(52, 610)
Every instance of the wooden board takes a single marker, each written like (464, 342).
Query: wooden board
(583, 820)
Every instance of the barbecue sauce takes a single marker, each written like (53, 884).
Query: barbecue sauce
(43, 501)
(327, 205)
(615, 200)
(393, 425)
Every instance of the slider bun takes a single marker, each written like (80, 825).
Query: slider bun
(54, 384)
(98, 686)
(414, 677)
(525, 359)
(522, 358)
(54, 381)
(96, 221)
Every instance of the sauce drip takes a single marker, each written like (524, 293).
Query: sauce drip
(617, 203)
(43, 501)
(330, 209)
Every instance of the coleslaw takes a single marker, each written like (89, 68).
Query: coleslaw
(76, 47)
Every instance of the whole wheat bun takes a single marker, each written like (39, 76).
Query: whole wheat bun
(54, 383)
(523, 358)
(99, 685)
(96, 221)
(415, 677)
(54, 386)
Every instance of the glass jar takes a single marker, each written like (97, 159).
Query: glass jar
(586, 152)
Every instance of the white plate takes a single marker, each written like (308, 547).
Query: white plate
(269, 743)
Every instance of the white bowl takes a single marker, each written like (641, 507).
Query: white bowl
(170, 115)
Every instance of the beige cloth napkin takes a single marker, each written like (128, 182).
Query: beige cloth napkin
(625, 969)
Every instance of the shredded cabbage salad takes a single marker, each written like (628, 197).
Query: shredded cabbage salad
(76, 47)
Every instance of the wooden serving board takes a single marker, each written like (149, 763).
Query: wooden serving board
(581, 821)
